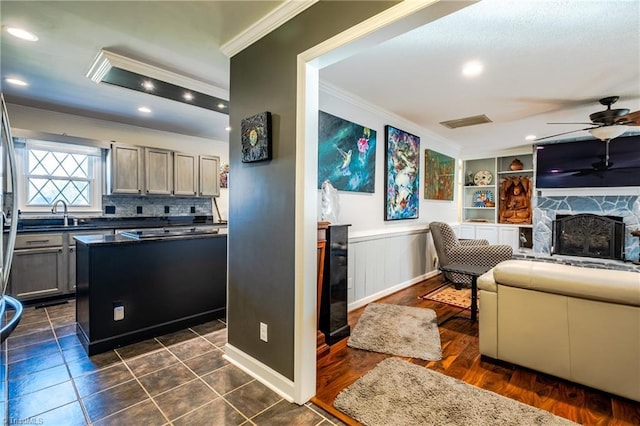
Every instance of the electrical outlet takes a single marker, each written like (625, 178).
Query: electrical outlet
(350, 283)
(435, 261)
(263, 332)
(118, 313)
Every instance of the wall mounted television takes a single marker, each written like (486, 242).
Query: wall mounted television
(580, 164)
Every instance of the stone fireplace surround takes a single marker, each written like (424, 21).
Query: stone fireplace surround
(547, 207)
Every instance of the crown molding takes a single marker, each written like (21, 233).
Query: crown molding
(264, 26)
(107, 60)
(435, 140)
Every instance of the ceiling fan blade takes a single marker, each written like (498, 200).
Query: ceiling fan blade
(565, 133)
(572, 123)
(631, 119)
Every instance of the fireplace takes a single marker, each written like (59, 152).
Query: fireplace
(589, 235)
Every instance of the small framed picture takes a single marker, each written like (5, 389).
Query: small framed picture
(256, 138)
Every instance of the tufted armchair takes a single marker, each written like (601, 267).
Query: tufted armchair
(472, 252)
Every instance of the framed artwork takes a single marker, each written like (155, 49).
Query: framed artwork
(402, 168)
(346, 154)
(439, 176)
(256, 137)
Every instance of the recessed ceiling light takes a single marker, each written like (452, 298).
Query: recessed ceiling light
(16, 82)
(188, 96)
(530, 137)
(220, 105)
(23, 34)
(228, 128)
(148, 85)
(144, 109)
(117, 70)
(472, 69)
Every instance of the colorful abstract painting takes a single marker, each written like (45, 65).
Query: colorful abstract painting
(401, 177)
(346, 154)
(439, 174)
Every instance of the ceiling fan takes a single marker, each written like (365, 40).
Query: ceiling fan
(608, 124)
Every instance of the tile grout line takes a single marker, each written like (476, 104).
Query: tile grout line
(310, 407)
(73, 383)
(205, 383)
(143, 388)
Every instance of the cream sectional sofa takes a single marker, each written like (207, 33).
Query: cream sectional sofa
(581, 324)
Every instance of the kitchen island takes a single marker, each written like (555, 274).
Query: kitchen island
(131, 288)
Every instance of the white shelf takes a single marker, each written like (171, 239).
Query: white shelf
(515, 172)
(479, 208)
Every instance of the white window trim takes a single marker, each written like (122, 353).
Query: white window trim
(22, 167)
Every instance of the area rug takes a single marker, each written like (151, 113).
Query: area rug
(398, 330)
(449, 295)
(401, 393)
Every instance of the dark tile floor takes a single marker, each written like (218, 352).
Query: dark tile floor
(176, 379)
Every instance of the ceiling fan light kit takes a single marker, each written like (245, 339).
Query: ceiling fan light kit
(608, 132)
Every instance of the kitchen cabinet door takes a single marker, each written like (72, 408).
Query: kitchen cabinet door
(37, 273)
(209, 176)
(185, 174)
(158, 171)
(126, 169)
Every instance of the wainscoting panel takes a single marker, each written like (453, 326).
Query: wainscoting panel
(383, 264)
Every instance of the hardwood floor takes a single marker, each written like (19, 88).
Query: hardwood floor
(461, 359)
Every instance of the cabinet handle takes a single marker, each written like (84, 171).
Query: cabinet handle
(37, 241)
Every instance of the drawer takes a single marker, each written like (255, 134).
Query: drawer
(25, 241)
(72, 242)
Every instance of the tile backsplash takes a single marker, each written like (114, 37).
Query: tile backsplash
(157, 205)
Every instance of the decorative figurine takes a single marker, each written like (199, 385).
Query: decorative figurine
(330, 206)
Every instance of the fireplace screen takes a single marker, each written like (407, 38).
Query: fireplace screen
(589, 235)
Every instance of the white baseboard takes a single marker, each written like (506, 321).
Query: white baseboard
(266, 375)
(387, 291)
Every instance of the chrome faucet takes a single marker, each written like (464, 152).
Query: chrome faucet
(54, 210)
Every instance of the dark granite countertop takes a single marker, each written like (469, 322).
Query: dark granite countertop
(51, 224)
(154, 236)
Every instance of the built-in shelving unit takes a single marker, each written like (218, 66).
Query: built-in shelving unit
(480, 210)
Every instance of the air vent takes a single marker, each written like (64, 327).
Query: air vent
(467, 121)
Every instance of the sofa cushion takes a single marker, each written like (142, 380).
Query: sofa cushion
(606, 285)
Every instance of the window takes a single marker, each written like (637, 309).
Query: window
(57, 171)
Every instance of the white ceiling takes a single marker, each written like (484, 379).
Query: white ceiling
(545, 61)
(179, 36)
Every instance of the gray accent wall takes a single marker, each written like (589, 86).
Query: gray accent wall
(262, 194)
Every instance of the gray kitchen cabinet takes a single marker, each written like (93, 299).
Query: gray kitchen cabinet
(185, 174)
(209, 175)
(127, 175)
(158, 171)
(38, 266)
(44, 264)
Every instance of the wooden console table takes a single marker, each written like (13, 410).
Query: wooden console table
(321, 346)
